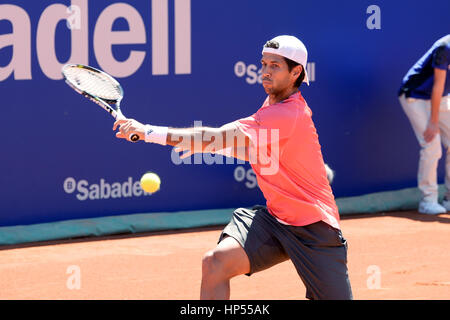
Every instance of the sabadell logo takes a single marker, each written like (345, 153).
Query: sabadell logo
(84, 190)
(252, 73)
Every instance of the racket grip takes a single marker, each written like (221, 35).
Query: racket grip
(134, 137)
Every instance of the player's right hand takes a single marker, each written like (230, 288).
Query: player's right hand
(128, 127)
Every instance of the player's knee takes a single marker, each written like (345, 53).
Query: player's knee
(430, 154)
(214, 265)
(432, 149)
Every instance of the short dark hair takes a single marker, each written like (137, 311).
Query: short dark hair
(272, 44)
(291, 65)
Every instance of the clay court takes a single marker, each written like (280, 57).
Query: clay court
(396, 255)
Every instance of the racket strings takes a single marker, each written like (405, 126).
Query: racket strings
(94, 83)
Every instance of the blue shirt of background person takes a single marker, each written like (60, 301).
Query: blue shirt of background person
(418, 82)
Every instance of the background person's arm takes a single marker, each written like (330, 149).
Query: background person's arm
(436, 96)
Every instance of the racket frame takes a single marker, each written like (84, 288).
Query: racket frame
(116, 113)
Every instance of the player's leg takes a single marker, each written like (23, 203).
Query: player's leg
(246, 246)
(444, 128)
(227, 260)
(418, 112)
(319, 254)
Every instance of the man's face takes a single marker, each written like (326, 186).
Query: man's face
(276, 77)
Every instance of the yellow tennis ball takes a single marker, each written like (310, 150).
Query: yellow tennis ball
(150, 182)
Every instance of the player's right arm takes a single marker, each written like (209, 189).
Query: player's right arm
(227, 139)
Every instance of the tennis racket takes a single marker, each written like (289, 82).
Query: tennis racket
(97, 86)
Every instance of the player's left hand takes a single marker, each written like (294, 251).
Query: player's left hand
(128, 127)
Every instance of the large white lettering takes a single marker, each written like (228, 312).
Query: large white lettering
(182, 36)
(45, 38)
(160, 37)
(76, 16)
(105, 38)
(19, 39)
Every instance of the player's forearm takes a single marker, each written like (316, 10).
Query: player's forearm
(191, 138)
(196, 139)
(226, 140)
(436, 93)
(223, 140)
(436, 96)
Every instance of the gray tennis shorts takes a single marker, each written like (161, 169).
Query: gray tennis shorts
(318, 251)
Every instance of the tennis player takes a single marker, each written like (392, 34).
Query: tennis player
(300, 220)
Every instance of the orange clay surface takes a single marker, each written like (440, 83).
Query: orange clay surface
(401, 255)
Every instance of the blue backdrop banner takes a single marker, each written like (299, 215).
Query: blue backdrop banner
(186, 62)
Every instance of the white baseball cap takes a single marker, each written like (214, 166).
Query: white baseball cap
(289, 47)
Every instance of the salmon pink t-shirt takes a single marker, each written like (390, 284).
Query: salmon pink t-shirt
(286, 157)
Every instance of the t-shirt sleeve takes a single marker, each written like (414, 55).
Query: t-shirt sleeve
(269, 125)
(441, 58)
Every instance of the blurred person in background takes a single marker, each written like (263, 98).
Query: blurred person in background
(424, 96)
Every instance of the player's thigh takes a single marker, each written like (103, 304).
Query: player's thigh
(444, 127)
(255, 229)
(418, 113)
(228, 259)
(319, 254)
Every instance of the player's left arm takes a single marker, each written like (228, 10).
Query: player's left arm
(227, 139)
